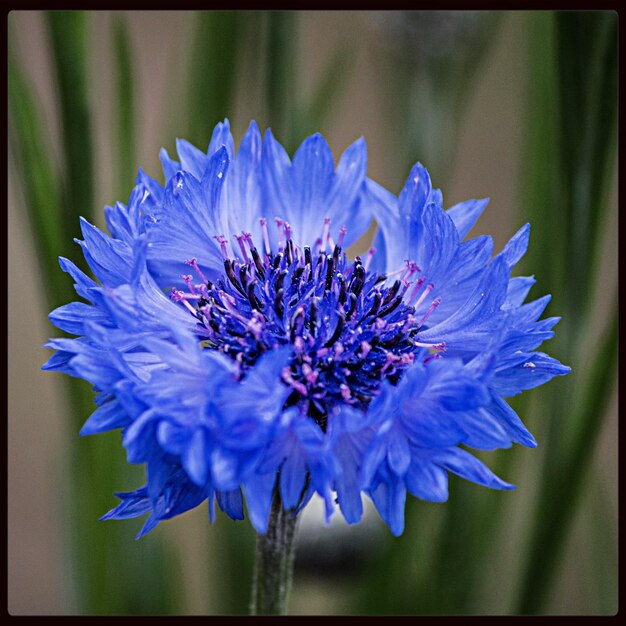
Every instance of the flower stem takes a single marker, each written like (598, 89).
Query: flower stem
(273, 570)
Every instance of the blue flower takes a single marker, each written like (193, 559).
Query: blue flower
(242, 351)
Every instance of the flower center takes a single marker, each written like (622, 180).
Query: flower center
(349, 327)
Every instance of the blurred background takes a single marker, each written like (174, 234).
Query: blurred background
(517, 106)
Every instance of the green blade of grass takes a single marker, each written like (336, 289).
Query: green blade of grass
(587, 82)
(124, 107)
(603, 579)
(213, 71)
(38, 178)
(311, 116)
(68, 31)
(572, 102)
(280, 71)
(105, 579)
(561, 490)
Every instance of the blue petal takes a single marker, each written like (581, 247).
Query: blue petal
(134, 503)
(241, 202)
(221, 138)
(518, 290)
(195, 458)
(389, 496)
(349, 452)
(154, 188)
(292, 479)
(231, 502)
(400, 219)
(467, 466)
(107, 417)
(259, 491)
(473, 324)
(110, 259)
(186, 225)
(191, 159)
(71, 317)
(158, 472)
(398, 454)
(511, 422)
(308, 190)
(344, 207)
(536, 369)
(262, 393)
(83, 284)
(465, 214)
(225, 468)
(170, 167)
(151, 523)
(516, 247)
(427, 481)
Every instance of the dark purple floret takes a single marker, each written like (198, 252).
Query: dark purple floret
(349, 327)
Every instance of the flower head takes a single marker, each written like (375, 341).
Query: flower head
(241, 350)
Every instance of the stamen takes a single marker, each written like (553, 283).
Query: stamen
(391, 294)
(179, 296)
(277, 260)
(281, 236)
(398, 271)
(341, 322)
(411, 268)
(369, 257)
(222, 241)
(289, 379)
(244, 254)
(230, 272)
(389, 360)
(345, 392)
(431, 346)
(425, 293)
(432, 357)
(187, 278)
(257, 262)
(342, 233)
(329, 273)
(310, 374)
(325, 234)
(198, 271)
(432, 307)
(254, 301)
(266, 236)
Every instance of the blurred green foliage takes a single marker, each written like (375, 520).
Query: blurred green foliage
(444, 561)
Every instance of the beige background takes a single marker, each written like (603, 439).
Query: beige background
(486, 165)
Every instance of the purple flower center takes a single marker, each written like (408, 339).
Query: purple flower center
(349, 327)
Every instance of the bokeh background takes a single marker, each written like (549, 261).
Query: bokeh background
(517, 106)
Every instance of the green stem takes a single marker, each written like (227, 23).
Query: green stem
(273, 570)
